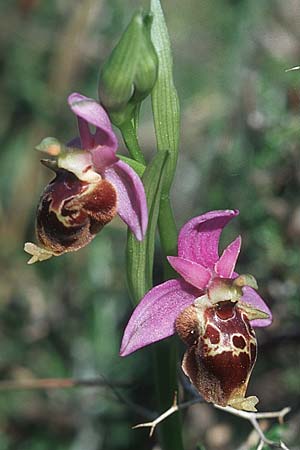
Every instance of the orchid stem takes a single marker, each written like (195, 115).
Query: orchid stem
(130, 138)
(165, 361)
(165, 109)
(166, 352)
(166, 115)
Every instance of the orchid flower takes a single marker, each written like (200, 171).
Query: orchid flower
(91, 186)
(211, 307)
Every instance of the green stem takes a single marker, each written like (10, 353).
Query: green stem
(165, 361)
(166, 352)
(165, 108)
(166, 121)
(130, 139)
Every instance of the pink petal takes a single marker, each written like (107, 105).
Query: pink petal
(86, 136)
(88, 111)
(192, 272)
(226, 264)
(199, 238)
(251, 296)
(132, 204)
(103, 157)
(154, 317)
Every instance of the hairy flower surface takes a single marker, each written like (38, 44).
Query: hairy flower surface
(91, 186)
(211, 307)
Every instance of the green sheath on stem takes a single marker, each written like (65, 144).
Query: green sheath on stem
(166, 115)
(130, 138)
(140, 254)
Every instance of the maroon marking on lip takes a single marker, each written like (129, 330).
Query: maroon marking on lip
(225, 310)
(212, 334)
(239, 342)
(231, 371)
(218, 377)
(62, 188)
(253, 352)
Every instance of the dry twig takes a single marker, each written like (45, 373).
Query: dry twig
(62, 383)
(253, 419)
(174, 408)
(251, 416)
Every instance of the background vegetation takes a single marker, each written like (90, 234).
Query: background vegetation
(240, 148)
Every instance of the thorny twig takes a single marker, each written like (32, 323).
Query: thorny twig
(260, 445)
(175, 407)
(292, 68)
(253, 419)
(251, 416)
(62, 383)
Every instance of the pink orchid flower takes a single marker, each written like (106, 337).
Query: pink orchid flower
(211, 307)
(102, 145)
(91, 186)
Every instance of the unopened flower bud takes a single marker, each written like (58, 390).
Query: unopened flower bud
(147, 67)
(130, 72)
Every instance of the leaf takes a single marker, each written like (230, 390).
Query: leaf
(138, 167)
(140, 254)
(166, 114)
(165, 104)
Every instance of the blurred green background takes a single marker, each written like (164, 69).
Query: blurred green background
(240, 148)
